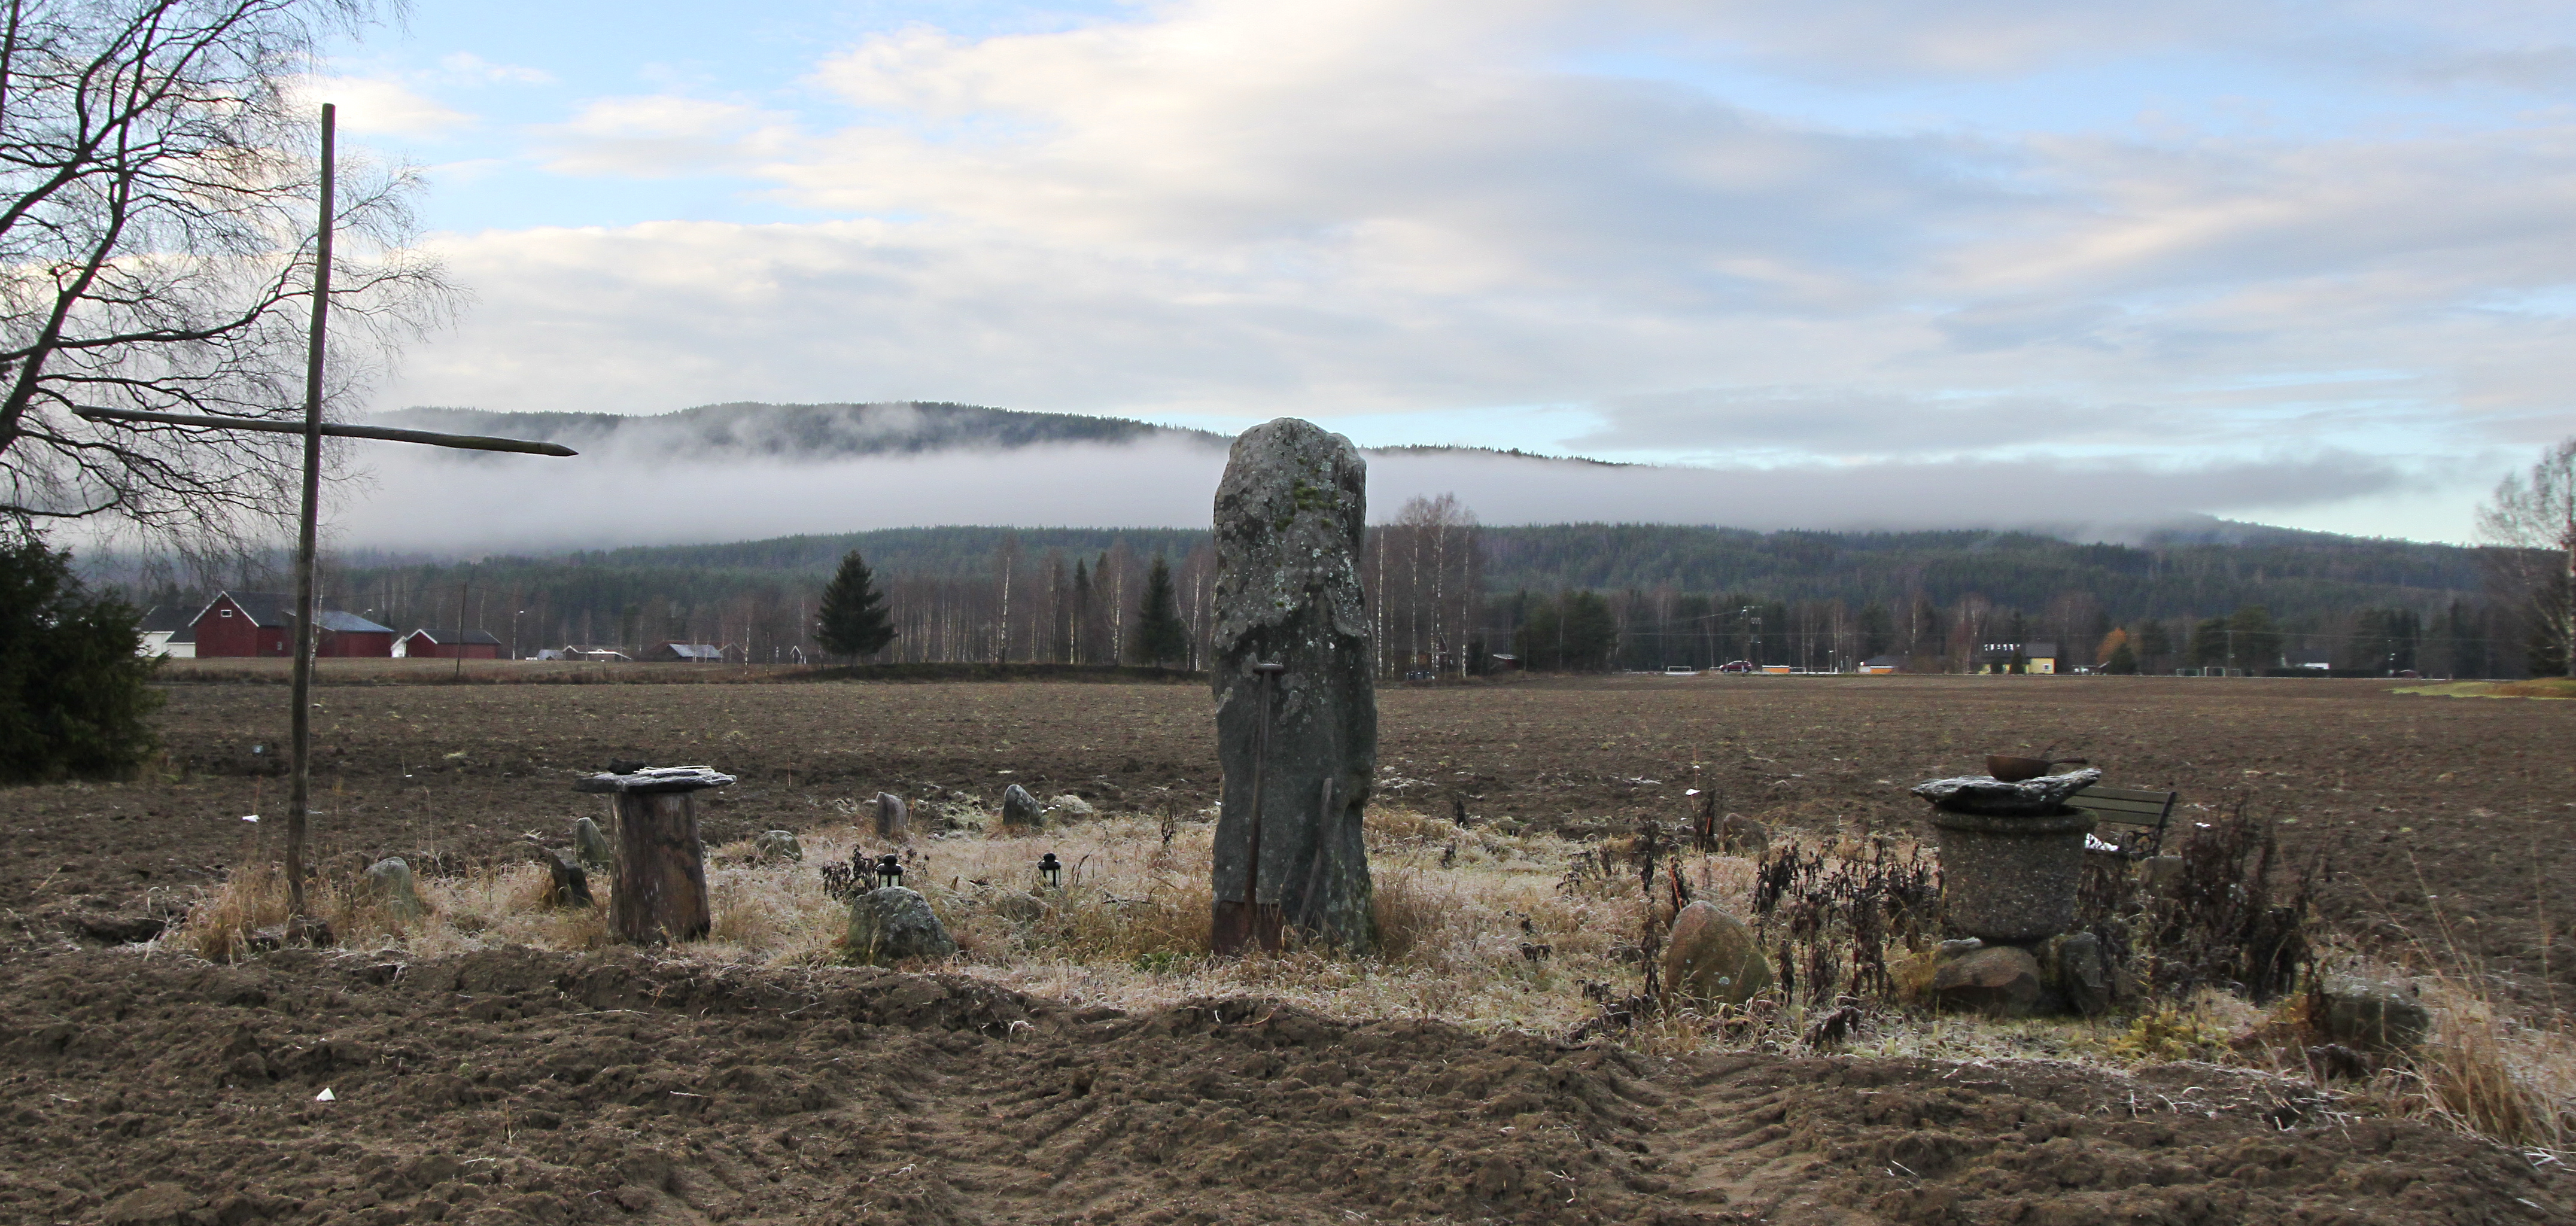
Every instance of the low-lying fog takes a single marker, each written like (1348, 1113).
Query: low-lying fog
(420, 499)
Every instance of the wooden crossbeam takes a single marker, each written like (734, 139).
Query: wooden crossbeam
(469, 442)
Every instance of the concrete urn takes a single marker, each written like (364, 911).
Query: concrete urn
(2012, 854)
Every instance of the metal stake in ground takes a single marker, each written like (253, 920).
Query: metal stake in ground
(300, 724)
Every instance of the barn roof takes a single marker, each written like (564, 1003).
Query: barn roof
(278, 609)
(466, 638)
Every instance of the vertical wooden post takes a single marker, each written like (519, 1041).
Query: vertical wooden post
(660, 892)
(300, 726)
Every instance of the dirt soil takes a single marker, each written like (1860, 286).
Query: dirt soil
(2446, 821)
(512, 1086)
(517, 1086)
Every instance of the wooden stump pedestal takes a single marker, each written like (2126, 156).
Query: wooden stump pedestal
(660, 893)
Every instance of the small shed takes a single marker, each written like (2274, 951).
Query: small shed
(428, 644)
(167, 630)
(685, 653)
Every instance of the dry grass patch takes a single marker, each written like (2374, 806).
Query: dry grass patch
(1476, 927)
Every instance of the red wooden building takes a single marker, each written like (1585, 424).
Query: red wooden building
(263, 624)
(427, 644)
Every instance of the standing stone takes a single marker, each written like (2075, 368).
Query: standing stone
(590, 846)
(891, 924)
(1021, 809)
(1289, 517)
(389, 881)
(2077, 970)
(1738, 835)
(1713, 957)
(568, 886)
(894, 821)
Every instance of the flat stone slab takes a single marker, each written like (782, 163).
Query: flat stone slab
(655, 779)
(1988, 796)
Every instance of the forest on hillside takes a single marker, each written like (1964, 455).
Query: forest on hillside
(1450, 594)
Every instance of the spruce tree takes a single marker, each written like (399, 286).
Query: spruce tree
(75, 699)
(1160, 636)
(853, 621)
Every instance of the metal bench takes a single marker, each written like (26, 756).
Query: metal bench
(2144, 814)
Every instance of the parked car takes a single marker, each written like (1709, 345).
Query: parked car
(1736, 666)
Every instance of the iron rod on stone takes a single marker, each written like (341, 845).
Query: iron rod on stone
(1296, 707)
(660, 895)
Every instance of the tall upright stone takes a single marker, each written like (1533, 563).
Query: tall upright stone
(1289, 853)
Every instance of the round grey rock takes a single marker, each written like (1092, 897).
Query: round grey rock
(777, 845)
(2370, 1014)
(891, 924)
(1712, 957)
(389, 882)
(590, 846)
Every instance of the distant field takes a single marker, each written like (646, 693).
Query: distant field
(2434, 813)
(2538, 687)
(415, 672)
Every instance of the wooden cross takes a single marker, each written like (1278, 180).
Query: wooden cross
(313, 428)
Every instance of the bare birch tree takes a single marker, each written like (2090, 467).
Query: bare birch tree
(156, 182)
(2532, 520)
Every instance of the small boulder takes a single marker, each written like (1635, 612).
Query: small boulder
(2000, 980)
(2078, 973)
(1072, 806)
(894, 820)
(389, 882)
(1712, 957)
(590, 846)
(161, 1204)
(2369, 1014)
(777, 845)
(569, 885)
(891, 924)
(1021, 809)
(1020, 908)
(1738, 835)
(2160, 874)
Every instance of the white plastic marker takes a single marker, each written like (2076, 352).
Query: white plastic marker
(250, 817)
(325, 1096)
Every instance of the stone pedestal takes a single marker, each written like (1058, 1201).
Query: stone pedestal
(1289, 517)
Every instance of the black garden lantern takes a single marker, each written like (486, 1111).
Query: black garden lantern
(889, 871)
(1051, 870)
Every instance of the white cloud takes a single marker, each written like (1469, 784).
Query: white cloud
(375, 106)
(1230, 208)
(660, 135)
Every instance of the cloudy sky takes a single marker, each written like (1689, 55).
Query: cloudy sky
(2306, 264)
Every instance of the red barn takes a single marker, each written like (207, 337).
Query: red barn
(427, 644)
(263, 624)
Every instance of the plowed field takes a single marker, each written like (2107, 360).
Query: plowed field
(514, 1086)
